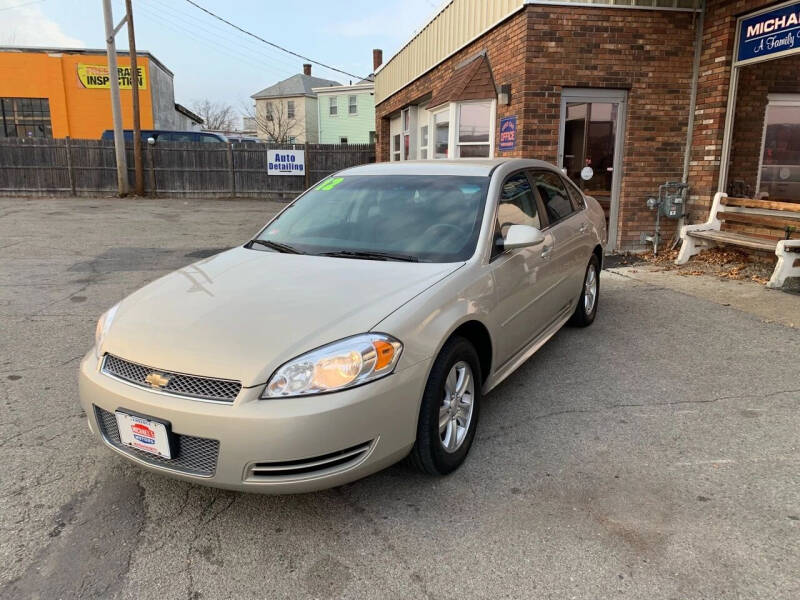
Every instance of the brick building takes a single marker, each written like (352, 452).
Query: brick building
(624, 95)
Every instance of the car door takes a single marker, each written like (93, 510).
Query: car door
(522, 277)
(568, 227)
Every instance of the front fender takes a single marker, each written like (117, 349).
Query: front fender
(425, 323)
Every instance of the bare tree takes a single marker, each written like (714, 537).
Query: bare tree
(275, 121)
(217, 116)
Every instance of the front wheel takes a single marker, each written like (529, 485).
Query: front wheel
(449, 412)
(586, 310)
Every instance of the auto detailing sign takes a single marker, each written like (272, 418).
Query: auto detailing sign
(508, 133)
(286, 162)
(769, 34)
(96, 77)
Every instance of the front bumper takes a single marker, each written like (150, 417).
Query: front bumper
(294, 435)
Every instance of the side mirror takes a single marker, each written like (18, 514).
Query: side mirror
(151, 140)
(522, 236)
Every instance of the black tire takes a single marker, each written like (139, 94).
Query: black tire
(428, 454)
(581, 317)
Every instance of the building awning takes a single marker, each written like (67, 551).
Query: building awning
(472, 80)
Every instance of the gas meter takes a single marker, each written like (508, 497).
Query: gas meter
(670, 203)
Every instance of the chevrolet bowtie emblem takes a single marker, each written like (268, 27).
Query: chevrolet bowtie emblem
(157, 380)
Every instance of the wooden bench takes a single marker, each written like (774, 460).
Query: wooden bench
(780, 219)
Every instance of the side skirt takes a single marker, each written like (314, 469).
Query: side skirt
(513, 363)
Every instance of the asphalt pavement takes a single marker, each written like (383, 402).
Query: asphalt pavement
(653, 455)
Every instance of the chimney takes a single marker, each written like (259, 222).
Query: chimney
(307, 69)
(377, 59)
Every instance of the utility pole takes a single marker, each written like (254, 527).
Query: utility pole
(116, 108)
(137, 129)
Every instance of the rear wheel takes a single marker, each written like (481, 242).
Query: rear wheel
(449, 412)
(586, 310)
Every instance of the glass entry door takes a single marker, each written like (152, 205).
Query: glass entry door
(590, 147)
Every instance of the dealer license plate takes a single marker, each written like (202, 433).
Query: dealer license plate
(143, 434)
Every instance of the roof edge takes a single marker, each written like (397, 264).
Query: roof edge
(87, 51)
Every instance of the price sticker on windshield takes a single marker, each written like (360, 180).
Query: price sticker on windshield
(329, 184)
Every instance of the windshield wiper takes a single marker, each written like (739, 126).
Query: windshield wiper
(285, 248)
(371, 255)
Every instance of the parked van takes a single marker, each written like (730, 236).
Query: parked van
(160, 135)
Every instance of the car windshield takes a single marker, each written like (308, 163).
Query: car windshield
(426, 218)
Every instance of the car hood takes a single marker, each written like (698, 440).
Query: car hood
(242, 313)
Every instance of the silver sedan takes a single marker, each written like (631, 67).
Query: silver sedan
(361, 326)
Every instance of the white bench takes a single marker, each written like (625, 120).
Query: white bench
(778, 217)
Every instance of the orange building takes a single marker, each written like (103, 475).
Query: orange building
(58, 92)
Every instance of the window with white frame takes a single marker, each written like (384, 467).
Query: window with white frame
(333, 106)
(475, 125)
(342, 140)
(441, 132)
(423, 120)
(352, 105)
(290, 109)
(405, 117)
(395, 134)
(779, 175)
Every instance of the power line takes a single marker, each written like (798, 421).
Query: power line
(281, 48)
(21, 5)
(277, 61)
(220, 47)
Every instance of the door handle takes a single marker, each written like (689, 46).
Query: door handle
(546, 250)
(584, 227)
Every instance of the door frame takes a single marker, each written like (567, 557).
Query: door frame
(592, 95)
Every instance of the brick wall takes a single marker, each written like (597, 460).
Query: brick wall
(543, 49)
(756, 82)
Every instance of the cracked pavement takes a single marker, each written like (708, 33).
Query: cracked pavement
(653, 455)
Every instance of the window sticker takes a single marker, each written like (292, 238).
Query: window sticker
(330, 183)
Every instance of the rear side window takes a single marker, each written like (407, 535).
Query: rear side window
(578, 203)
(556, 200)
(517, 204)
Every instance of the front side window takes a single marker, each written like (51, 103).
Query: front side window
(352, 105)
(290, 109)
(554, 195)
(430, 218)
(517, 205)
(25, 117)
(441, 121)
(333, 107)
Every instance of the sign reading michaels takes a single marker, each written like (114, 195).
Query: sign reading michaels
(286, 162)
(769, 33)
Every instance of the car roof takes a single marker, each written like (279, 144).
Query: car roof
(463, 167)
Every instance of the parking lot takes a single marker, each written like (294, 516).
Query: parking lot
(652, 455)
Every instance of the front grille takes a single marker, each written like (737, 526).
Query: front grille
(180, 384)
(192, 455)
(307, 467)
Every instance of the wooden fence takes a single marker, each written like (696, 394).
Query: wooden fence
(88, 167)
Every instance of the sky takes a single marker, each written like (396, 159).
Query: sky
(211, 60)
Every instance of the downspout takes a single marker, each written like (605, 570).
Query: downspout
(687, 155)
(698, 52)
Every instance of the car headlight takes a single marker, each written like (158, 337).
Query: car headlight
(337, 366)
(103, 325)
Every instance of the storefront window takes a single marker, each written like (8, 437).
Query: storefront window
(474, 120)
(25, 117)
(780, 159)
(441, 121)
